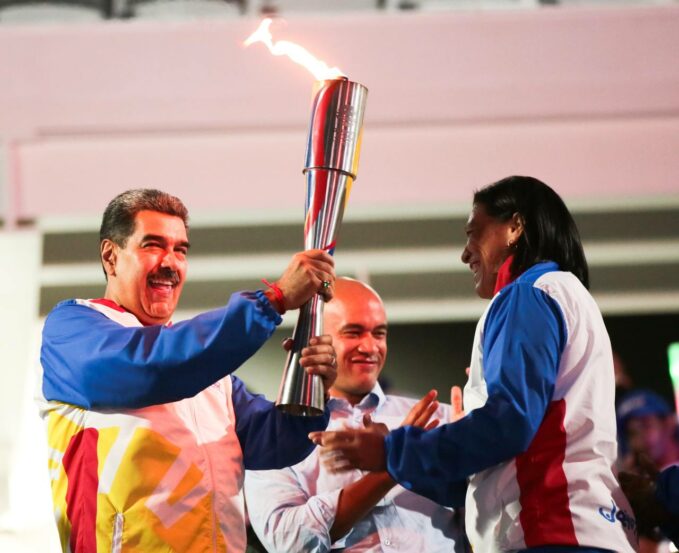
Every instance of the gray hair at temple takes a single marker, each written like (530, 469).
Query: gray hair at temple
(118, 222)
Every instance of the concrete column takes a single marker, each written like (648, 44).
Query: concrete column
(19, 296)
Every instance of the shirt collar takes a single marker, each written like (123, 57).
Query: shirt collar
(372, 401)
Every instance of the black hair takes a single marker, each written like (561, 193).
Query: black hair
(549, 231)
(118, 222)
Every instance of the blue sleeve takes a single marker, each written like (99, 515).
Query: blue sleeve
(269, 438)
(93, 362)
(667, 493)
(524, 336)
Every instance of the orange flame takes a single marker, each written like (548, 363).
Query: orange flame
(295, 52)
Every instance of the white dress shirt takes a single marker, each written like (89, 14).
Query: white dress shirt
(293, 509)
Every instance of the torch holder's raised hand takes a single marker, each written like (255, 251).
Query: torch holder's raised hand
(331, 167)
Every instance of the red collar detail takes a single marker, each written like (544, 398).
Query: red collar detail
(504, 275)
(109, 303)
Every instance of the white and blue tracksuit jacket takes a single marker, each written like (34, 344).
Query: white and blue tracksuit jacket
(539, 439)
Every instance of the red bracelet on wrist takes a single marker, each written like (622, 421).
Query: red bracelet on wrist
(278, 294)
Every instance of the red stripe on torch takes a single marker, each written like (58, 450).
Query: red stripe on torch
(317, 200)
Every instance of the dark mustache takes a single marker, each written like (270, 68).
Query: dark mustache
(165, 273)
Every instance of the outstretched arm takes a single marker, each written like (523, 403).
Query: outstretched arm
(523, 340)
(93, 362)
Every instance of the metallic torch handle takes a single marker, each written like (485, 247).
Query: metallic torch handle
(331, 167)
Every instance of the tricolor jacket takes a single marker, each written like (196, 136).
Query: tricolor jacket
(539, 438)
(149, 435)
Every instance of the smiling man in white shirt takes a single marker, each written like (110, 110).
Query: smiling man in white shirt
(304, 507)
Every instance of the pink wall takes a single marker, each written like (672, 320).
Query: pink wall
(587, 99)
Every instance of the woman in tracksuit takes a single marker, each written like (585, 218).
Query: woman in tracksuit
(538, 443)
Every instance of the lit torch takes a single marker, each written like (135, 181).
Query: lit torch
(330, 168)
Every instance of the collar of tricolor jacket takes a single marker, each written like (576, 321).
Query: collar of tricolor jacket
(504, 275)
(113, 305)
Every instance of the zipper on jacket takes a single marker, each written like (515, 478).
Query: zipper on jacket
(117, 539)
(212, 476)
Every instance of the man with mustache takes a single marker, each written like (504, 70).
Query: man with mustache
(149, 434)
(306, 508)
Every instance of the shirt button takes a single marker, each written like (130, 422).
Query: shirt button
(387, 542)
